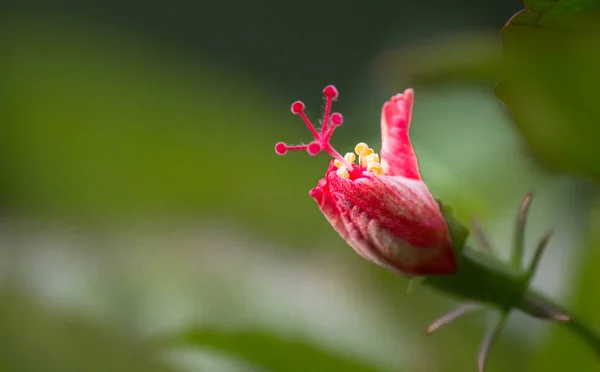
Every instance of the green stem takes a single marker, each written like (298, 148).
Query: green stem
(486, 279)
(589, 336)
(483, 278)
(555, 312)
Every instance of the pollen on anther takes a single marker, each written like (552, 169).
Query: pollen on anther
(349, 157)
(281, 148)
(343, 172)
(376, 168)
(365, 159)
(337, 119)
(330, 91)
(297, 107)
(313, 148)
(360, 147)
(373, 158)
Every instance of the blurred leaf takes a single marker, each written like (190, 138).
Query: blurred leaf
(466, 58)
(551, 81)
(272, 352)
(33, 339)
(101, 125)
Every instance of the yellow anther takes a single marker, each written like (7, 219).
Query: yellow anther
(343, 172)
(337, 163)
(368, 159)
(376, 168)
(350, 157)
(360, 148)
(373, 158)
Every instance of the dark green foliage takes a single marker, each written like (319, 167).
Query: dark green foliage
(551, 81)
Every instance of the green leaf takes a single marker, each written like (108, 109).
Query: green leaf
(272, 352)
(551, 81)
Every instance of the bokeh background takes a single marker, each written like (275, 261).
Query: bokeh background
(147, 224)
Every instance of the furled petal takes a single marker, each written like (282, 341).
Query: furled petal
(392, 221)
(397, 155)
(328, 206)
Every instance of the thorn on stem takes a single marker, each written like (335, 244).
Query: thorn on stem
(535, 305)
(452, 316)
(519, 238)
(489, 339)
(537, 256)
(561, 317)
(524, 207)
(481, 236)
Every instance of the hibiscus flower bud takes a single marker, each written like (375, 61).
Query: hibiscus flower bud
(378, 203)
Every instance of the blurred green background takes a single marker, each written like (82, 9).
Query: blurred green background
(147, 224)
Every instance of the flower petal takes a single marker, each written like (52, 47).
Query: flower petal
(397, 155)
(327, 204)
(394, 222)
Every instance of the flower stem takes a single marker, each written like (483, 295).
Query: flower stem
(586, 334)
(486, 279)
(573, 323)
(483, 278)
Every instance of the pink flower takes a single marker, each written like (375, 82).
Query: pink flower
(380, 206)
